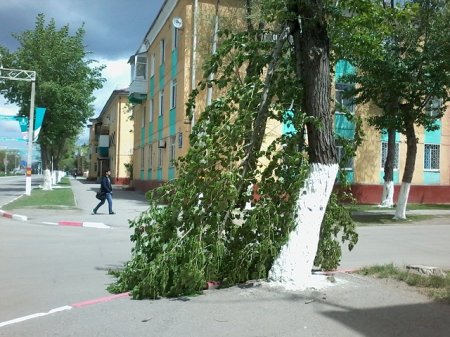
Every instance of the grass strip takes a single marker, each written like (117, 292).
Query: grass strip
(436, 287)
(61, 197)
(386, 219)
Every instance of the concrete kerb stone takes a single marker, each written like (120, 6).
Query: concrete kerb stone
(13, 216)
(100, 225)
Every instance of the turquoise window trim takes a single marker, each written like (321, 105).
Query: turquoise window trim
(396, 176)
(350, 175)
(149, 174)
(174, 63)
(431, 177)
(171, 173)
(384, 136)
(160, 127)
(434, 137)
(287, 127)
(152, 86)
(343, 127)
(172, 121)
(343, 67)
(142, 136)
(150, 132)
(159, 174)
(142, 174)
(161, 76)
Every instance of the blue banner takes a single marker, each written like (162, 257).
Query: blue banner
(40, 113)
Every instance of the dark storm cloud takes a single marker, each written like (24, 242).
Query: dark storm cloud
(114, 29)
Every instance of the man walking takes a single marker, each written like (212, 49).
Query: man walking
(105, 187)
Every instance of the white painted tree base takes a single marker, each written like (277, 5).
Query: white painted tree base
(387, 199)
(293, 266)
(400, 212)
(47, 180)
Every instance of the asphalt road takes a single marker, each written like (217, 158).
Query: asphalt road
(12, 187)
(53, 283)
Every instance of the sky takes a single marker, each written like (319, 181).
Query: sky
(114, 30)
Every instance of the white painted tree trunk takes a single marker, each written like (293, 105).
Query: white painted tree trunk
(293, 266)
(387, 199)
(400, 212)
(47, 180)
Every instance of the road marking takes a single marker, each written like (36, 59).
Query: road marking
(70, 223)
(40, 314)
(64, 308)
(83, 224)
(99, 300)
(95, 225)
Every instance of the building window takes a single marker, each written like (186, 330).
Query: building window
(162, 51)
(344, 105)
(150, 111)
(433, 107)
(173, 141)
(152, 65)
(161, 103)
(348, 165)
(384, 148)
(160, 157)
(173, 93)
(175, 32)
(431, 157)
(142, 158)
(141, 67)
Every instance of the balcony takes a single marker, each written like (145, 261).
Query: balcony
(103, 146)
(138, 87)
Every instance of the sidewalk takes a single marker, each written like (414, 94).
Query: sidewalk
(126, 204)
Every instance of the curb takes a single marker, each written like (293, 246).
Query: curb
(13, 216)
(60, 223)
(83, 224)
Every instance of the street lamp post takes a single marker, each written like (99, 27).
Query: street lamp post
(29, 76)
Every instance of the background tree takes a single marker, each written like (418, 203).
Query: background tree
(65, 81)
(406, 74)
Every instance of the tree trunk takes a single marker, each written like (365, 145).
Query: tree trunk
(294, 264)
(387, 199)
(411, 152)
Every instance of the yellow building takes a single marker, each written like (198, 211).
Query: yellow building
(165, 68)
(111, 139)
(431, 179)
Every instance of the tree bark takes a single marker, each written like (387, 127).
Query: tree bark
(411, 151)
(387, 199)
(293, 266)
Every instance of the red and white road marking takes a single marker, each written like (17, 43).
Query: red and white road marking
(83, 224)
(64, 308)
(13, 216)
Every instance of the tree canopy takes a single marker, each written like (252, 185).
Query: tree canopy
(65, 81)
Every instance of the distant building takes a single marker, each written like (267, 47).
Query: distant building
(111, 139)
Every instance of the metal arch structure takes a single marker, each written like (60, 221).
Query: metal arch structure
(17, 74)
(28, 76)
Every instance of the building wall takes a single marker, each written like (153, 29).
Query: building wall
(93, 173)
(111, 139)
(160, 138)
(121, 139)
(367, 162)
(157, 137)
